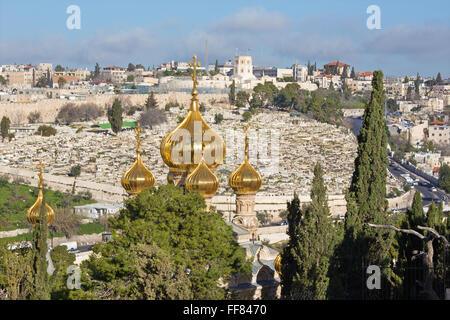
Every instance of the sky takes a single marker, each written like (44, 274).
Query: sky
(414, 35)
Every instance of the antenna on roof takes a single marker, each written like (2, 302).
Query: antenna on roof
(206, 57)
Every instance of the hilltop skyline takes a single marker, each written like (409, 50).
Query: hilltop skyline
(273, 33)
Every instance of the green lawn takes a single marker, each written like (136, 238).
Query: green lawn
(124, 125)
(90, 228)
(15, 199)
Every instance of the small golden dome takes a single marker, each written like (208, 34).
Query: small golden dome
(203, 180)
(197, 143)
(138, 177)
(277, 264)
(245, 179)
(34, 212)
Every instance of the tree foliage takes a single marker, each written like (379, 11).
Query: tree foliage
(115, 116)
(366, 197)
(310, 248)
(4, 127)
(165, 246)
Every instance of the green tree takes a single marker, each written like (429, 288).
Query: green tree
(242, 99)
(366, 197)
(232, 94)
(216, 67)
(151, 103)
(59, 68)
(115, 116)
(246, 116)
(444, 177)
(331, 86)
(41, 283)
(45, 131)
(61, 260)
(165, 245)
(2, 80)
(218, 118)
(417, 85)
(131, 67)
(439, 78)
(130, 78)
(96, 71)
(75, 171)
(353, 74)
(61, 82)
(406, 79)
(4, 127)
(314, 247)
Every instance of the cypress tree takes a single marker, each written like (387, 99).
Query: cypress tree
(41, 285)
(432, 216)
(232, 94)
(438, 78)
(417, 85)
(352, 74)
(115, 116)
(366, 197)
(312, 246)
(4, 126)
(216, 67)
(289, 257)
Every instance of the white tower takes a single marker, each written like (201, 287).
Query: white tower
(243, 68)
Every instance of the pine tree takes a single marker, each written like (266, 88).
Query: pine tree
(115, 116)
(41, 285)
(366, 197)
(312, 246)
(151, 103)
(406, 80)
(308, 66)
(438, 78)
(232, 94)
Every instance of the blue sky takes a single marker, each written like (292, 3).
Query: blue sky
(414, 35)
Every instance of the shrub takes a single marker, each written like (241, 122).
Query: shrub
(34, 117)
(75, 171)
(152, 116)
(46, 131)
(218, 118)
(247, 115)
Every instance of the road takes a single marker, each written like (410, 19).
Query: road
(423, 186)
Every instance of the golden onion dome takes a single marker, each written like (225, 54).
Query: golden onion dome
(138, 177)
(183, 147)
(245, 179)
(277, 264)
(34, 213)
(203, 180)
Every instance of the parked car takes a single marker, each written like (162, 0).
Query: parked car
(433, 189)
(283, 223)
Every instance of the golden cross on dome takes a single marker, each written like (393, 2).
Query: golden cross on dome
(194, 65)
(138, 130)
(246, 141)
(40, 166)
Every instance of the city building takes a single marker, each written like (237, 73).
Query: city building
(114, 74)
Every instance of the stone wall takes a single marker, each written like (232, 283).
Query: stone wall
(49, 108)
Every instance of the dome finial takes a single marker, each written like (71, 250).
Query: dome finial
(138, 130)
(33, 214)
(194, 64)
(40, 166)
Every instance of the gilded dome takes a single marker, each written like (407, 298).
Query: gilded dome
(34, 212)
(183, 147)
(203, 180)
(245, 179)
(138, 177)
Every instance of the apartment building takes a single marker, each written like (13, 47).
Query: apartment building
(114, 74)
